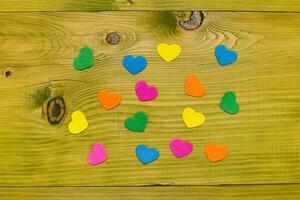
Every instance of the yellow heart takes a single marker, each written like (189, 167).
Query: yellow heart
(79, 122)
(192, 118)
(168, 52)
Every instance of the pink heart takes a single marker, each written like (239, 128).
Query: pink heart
(98, 154)
(144, 92)
(181, 148)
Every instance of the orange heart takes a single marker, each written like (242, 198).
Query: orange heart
(109, 100)
(193, 87)
(215, 152)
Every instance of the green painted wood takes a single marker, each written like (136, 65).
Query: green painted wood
(102, 5)
(38, 49)
(259, 192)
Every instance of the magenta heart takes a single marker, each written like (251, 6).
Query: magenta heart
(98, 154)
(181, 148)
(144, 92)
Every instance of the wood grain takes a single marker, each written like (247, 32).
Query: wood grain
(260, 192)
(38, 49)
(104, 5)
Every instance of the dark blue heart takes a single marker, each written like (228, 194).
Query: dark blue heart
(146, 155)
(134, 65)
(225, 56)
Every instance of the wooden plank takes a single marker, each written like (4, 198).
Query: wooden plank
(260, 192)
(104, 5)
(38, 49)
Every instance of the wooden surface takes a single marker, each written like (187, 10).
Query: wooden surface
(187, 5)
(36, 54)
(261, 192)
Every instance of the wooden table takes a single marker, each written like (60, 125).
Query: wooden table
(39, 40)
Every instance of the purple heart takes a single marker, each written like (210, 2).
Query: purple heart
(144, 92)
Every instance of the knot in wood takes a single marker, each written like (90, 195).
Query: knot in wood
(194, 22)
(113, 38)
(7, 74)
(129, 2)
(56, 110)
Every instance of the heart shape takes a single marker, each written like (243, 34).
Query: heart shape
(192, 118)
(146, 155)
(225, 56)
(109, 100)
(144, 92)
(79, 122)
(97, 155)
(215, 152)
(137, 123)
(134, 65)
(193, 87)
(85, 59)
(180, 148)
(229, 104)
(168, 52)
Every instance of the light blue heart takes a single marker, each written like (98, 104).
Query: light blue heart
(134, 65)
(146, 155)
(225, 56)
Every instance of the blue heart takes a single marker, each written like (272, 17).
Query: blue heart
(146, 155)
(225, 56)
(134, 65)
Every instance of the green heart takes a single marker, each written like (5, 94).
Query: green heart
(137, 123)
(229, 104)
(84, 60)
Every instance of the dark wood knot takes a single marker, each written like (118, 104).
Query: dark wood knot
(7, 74)
(113, 38)
(194, 22)
(56, 110)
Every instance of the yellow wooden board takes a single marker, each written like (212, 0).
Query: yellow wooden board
(100, 5)
(259, 192)
(37, 51)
